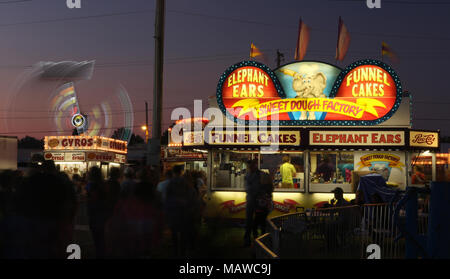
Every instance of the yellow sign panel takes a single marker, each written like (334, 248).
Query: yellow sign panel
(352, 138)
(423, 139)
(254, 138)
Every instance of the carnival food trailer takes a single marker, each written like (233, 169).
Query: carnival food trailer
(77, 154)
(333, 124)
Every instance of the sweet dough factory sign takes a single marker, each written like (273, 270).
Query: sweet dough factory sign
(365, 93)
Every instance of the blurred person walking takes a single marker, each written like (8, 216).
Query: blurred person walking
(135, 230)
(201, 189)
(252, 188)
(113, 189)
(180, 211)
(42, 224)
(162, 186)
(128, 184)
(98, 209)
(264, 203)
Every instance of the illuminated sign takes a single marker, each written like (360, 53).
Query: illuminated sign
(75, 157)
(193, 138)
(85, 143)
(182, 155)
(390, 165)
(254, 138)
(57, 157)
(82, 157)
(424, 139)
(370, 159)
(367, 92)
(100, 156)
(354, 138)
(120, 158)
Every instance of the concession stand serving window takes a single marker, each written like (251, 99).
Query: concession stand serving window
(330, 169)
(229, 168)
(272, 162)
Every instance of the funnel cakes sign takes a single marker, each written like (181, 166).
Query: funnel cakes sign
(367, 92)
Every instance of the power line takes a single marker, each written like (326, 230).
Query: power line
(76, 18)
(432, 119)
(14, 1)
(399, 2)
(216, 57)
(312, 28)
(69, 131)
(225, 19)
(118, 112)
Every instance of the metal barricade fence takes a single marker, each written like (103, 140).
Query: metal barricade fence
(263, 246)
(341, 232)
(332, 233)
(273, 228)
(378, 227)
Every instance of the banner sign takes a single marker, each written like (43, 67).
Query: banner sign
(424, 139)
(100, 156)
(254, 138)
(120, 158)
(65, 156)
(183, 155)
(390, 165)
(85, 143)
(368, 160)
(57, 157)
(82, 157)
(367, 92)
(75, 157)
(355, 138)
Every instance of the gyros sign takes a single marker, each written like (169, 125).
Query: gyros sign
(85, 143)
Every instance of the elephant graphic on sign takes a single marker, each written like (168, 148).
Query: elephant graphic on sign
(307, 86)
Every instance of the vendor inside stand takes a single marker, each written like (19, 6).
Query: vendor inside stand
(286, 169)
(330, 169)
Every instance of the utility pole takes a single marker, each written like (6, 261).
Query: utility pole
(280, 56)
(146, 122)
(154, 145)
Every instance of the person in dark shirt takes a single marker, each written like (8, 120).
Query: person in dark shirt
(113, 190)
(180, 209)
(252, 188)
(264, 203)
(339, 200)
(98, 209)
(325, 169)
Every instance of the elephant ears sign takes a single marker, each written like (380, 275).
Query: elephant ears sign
(366, 92)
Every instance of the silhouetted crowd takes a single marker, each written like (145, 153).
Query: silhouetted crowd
(129, 212)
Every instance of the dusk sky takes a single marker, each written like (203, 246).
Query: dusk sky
(203, 38)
